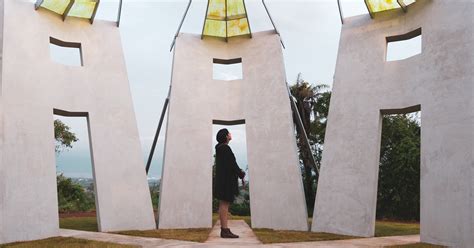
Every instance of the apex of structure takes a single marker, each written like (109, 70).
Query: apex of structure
(226, 19)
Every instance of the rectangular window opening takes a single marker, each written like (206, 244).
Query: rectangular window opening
(76, 191)
(238, 144)
(404, 46)
(398, 192)
(227, 69)
(66, 53)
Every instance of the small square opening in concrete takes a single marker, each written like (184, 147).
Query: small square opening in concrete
(66, 53)
(404, 46)
(227, 69)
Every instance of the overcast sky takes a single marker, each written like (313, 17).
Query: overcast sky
(310, 31)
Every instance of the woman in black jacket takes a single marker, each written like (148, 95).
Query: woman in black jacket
(226, 180)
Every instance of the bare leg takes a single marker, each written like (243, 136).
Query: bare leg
(223, 213)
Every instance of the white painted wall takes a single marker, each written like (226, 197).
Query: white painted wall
(32, 85)
(261, 98)
(441, 80)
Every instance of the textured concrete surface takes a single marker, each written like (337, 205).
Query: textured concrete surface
(246, 240)
(238, 227)
(32, 85)
(261, 99)
(440, 80)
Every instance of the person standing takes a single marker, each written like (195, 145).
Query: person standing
(226, 179)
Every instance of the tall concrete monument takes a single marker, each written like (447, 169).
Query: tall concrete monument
(439, 81)
(33, 88)
(259, 98)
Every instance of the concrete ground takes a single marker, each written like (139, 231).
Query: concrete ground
(247, 239)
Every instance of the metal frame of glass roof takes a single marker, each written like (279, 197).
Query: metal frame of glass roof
(86, 9)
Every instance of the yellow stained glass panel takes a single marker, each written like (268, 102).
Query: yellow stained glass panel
(82, 8)
(382, 5)
(216, 9)
(215, 28)
(216, 23)
(58, 6)
(235, 8)
(237, 27)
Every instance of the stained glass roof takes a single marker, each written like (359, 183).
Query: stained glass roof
(375, 6)
(226, 18)
(76, 8)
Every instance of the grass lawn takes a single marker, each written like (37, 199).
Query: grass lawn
(193, 234)
(64, 242)
(79, 223)
(269, 236)
(391, 228)
(90, 224)
(382, 228)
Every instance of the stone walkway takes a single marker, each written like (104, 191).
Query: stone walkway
(239, 227)
(247, 239)
(124, 239)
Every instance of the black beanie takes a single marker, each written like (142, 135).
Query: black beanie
(221, 136)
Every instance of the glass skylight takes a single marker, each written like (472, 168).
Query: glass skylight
(383, 5)
(76, 8)
(226, 18)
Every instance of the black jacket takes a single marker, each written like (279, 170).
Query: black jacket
(226, 185)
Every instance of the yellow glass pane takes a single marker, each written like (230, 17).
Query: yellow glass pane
(214, 28)
(216, 23)
(82, 8)
(216, 9)
(382, 5)
(237, 27)
(235, 8)
(58, 6)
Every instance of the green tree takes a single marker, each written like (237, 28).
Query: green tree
(63, 136)
(155, 194)
(71, 196)
(399, 171)
(313, 105)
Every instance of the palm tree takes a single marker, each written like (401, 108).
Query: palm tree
(312, 103)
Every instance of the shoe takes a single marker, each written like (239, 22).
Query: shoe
(227, 234)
